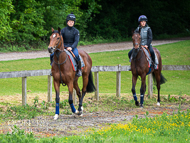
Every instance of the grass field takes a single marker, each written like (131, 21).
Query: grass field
(172, 54)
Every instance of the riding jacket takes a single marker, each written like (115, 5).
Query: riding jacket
(146, 35)
(70, 36)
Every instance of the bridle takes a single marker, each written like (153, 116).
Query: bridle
(55, 47)
(57, 52)
(136, 51)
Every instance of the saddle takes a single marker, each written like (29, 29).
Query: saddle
(73, 61)
(149, 59)
(148, 55)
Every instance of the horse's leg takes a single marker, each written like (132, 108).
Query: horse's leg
(56, 86)
(85, 83)
(134, 80)
(70, 88)
(76, 87)
(143, 89)
(158, 76)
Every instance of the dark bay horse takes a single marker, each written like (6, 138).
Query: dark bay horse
(62, 72)
(139, 67)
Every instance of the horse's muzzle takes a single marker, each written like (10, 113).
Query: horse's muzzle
(50, 49)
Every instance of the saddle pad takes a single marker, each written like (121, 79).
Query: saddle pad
(73, 61)
(149, 59)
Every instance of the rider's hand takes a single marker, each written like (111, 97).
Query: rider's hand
(69, 48)
(146, 46)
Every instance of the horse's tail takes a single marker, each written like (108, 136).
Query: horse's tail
(162, 78)
(90, 87)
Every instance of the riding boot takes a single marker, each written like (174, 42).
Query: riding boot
(51, 61)
(130, 68)
(154, 62)
(130, 59)
(79, 72)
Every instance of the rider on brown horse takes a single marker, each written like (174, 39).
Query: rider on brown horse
(71, 38)
(146, 38)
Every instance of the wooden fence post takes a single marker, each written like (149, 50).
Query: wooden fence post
(150, 85)
(96, 76)
(74, 96)
(118, 82)
(49, 88)
(24, 92)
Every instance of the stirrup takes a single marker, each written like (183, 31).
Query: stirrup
(155, 66)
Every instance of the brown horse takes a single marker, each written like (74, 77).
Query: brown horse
(139, 67)
(62, 72)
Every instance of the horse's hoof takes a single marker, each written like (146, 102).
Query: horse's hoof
(158, 103)
(141, 106)
(55, 117)
(76, 112)
(137, 103)
(81, 115)
(79, 112)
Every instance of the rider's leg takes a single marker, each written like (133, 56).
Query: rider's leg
(75, 52)
(129, 55)
(152, 53)
(51, 60)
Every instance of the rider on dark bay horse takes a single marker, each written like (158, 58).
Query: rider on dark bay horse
(71, 38)
(146, 38)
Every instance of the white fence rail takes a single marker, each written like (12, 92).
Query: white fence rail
(95, 69)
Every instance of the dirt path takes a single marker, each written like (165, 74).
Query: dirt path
(73, 124)
(89, 49)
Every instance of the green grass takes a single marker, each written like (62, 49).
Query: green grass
(159, 129)
(172, 54)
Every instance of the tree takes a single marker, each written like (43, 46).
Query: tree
(6, 8)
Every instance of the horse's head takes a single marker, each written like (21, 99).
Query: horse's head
(55, 40)
(136, 43)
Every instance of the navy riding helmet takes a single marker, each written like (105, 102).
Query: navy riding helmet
(142, 18)
(71, 17)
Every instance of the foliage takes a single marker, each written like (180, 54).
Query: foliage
(6, 8)
(26, 24)
(118, 19)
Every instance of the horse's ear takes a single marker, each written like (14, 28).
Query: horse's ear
(52, 29)
(59, 30)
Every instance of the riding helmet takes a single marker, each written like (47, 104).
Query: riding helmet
(142, 18)
(71, 17)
